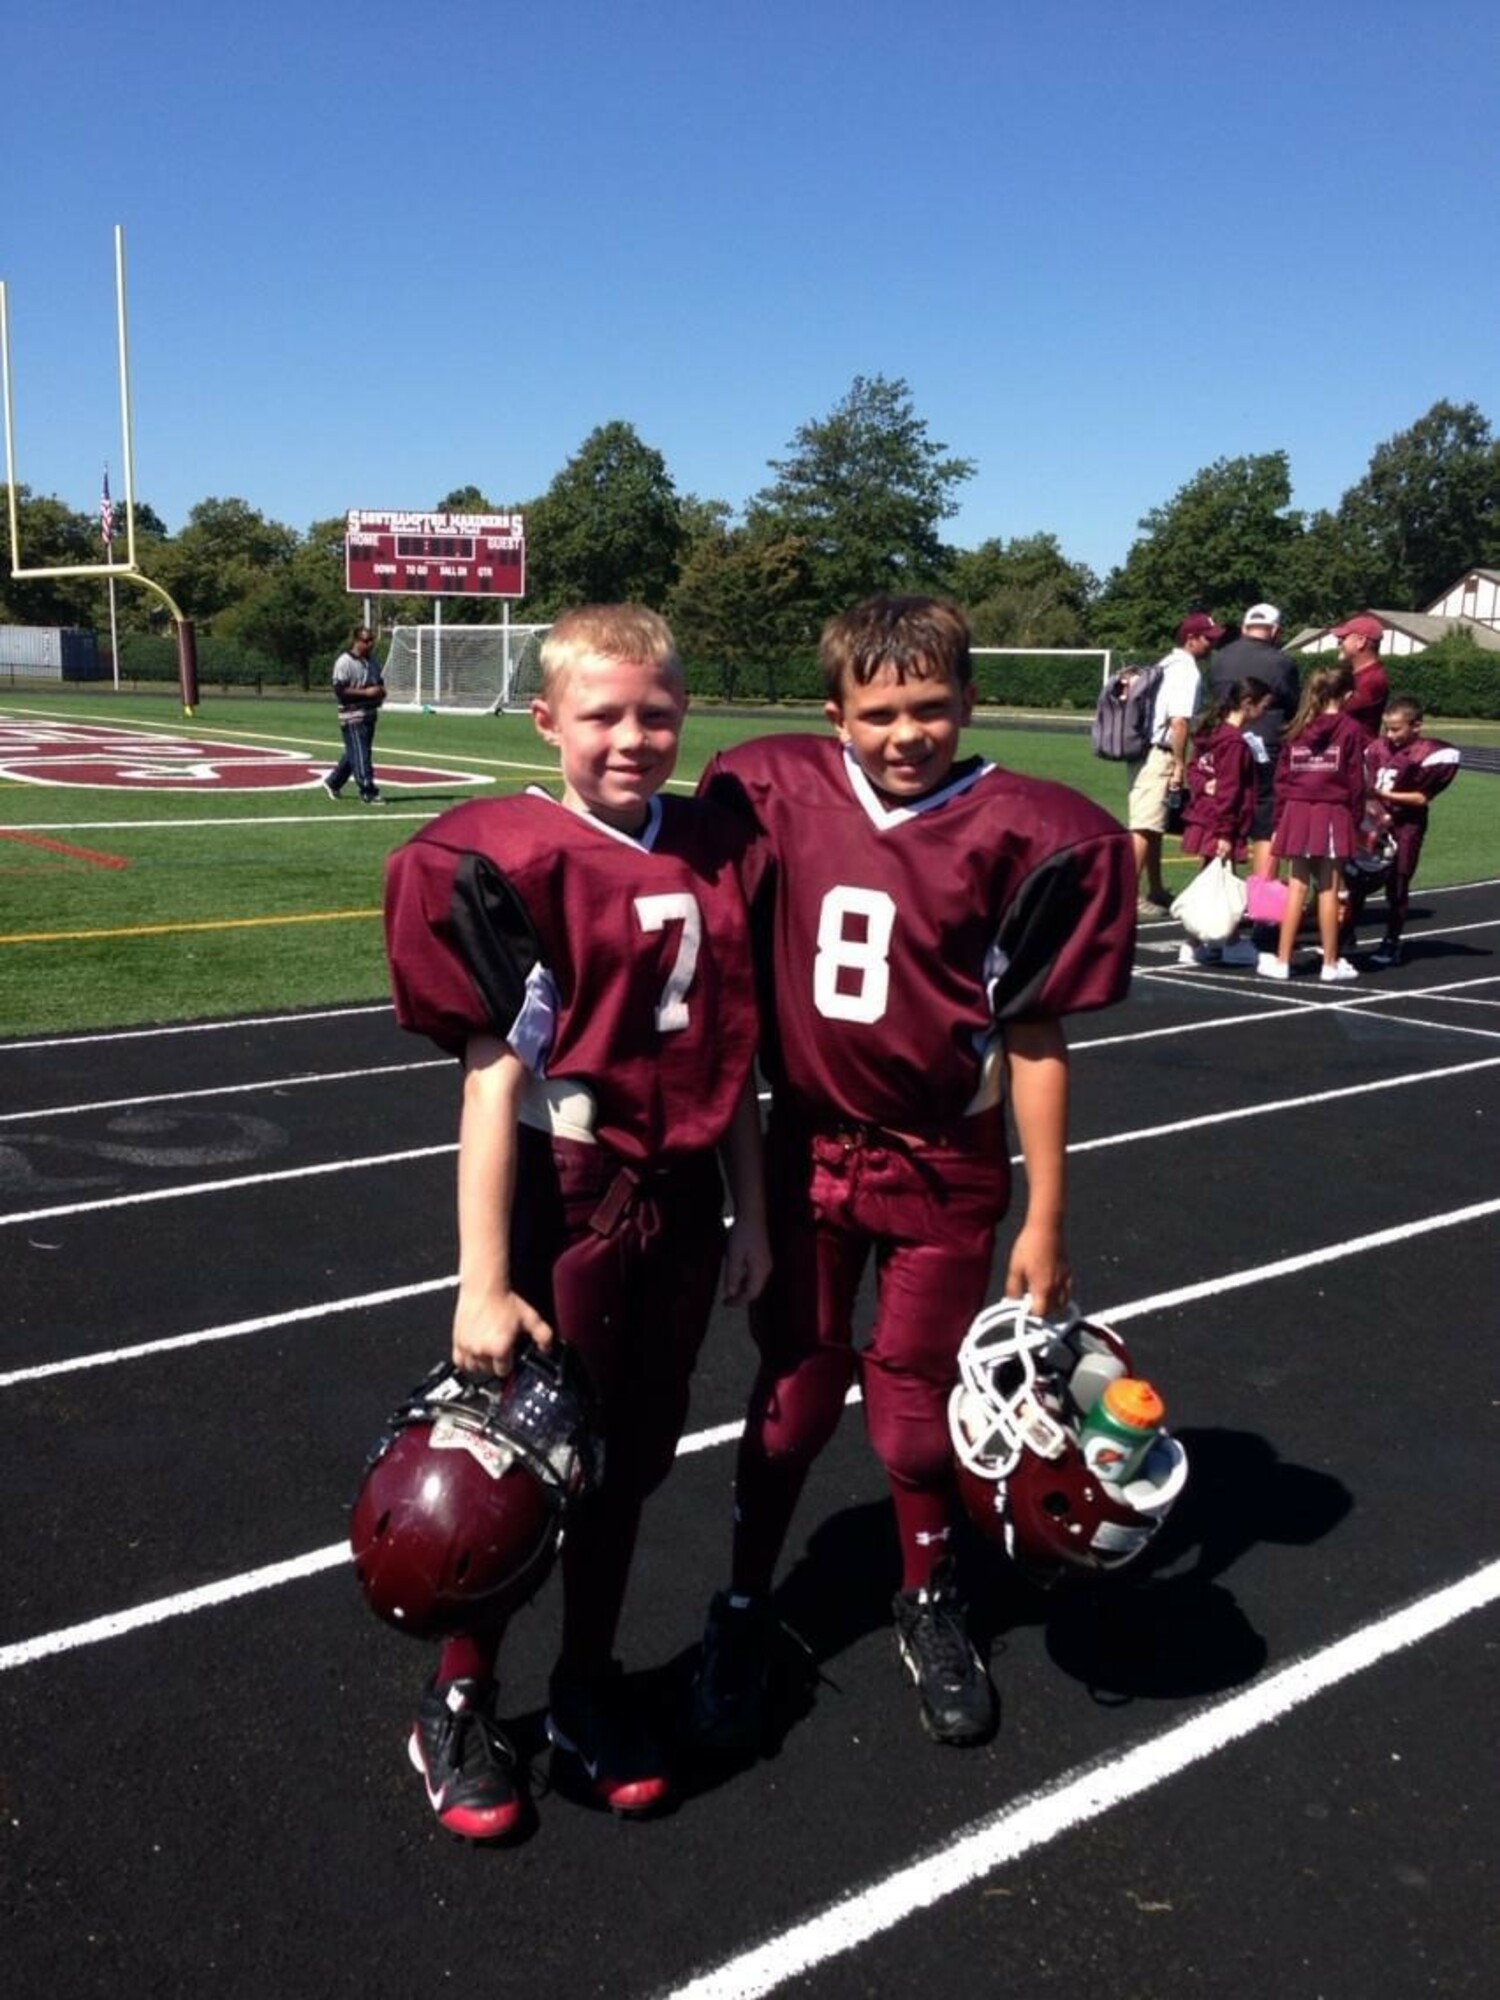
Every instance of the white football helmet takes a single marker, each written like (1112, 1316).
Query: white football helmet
(1025, 1384)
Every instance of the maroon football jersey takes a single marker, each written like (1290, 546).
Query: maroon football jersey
(618, 963)
(892, 941)
(1221, 784)
(1425, 765)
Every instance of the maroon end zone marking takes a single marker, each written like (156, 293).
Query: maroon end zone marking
(99, 758)
(65, 848)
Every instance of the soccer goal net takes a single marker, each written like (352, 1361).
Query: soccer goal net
(1041, 676)
(470, 667)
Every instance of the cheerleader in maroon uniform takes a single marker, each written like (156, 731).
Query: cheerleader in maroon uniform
(1221, 799)
(1320, 798)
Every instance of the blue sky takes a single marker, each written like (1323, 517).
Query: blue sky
(379, 251)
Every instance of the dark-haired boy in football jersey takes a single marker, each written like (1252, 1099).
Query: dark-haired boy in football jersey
(588, 959)
(922, 923)
(1405, 771)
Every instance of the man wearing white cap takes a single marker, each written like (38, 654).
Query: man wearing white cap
(1255, 652)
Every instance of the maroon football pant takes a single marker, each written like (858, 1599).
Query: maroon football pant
(927, 1215)
(623, 1263)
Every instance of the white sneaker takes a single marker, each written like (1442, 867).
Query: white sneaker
(1197, 954)
(1336, 973)
(1240, 952)
(1269, 966)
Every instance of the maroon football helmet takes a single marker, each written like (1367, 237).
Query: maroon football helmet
(460, 1511)
(1024, 1386)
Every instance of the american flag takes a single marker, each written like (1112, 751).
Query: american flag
(106, 512)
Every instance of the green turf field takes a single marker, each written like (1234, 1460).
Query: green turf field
(119, 907)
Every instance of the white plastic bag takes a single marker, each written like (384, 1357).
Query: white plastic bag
(1213, 903)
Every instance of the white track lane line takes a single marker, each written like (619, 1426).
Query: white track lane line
(1307, 1260)
(231, 1026)
(116, 1624)
(237, 1181)
(307, 1077)
(1082, 1795)
(196, 1189)
(74, 1364)
(23, 1651)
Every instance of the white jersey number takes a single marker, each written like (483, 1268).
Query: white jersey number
(654, 914)
(851, 973)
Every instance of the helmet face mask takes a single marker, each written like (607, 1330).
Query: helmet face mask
(461, 1505)
(1025, 1385)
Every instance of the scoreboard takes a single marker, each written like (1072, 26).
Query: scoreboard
(435, 555)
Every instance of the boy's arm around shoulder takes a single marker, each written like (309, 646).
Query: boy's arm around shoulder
(743, 835)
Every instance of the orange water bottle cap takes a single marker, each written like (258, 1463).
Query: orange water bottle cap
(1134, 1403)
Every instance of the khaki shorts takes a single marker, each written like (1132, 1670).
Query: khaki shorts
(1149, 781)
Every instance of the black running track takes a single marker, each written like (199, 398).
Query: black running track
(1267, 1766)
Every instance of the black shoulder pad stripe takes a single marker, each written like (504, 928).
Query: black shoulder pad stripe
(496, 936)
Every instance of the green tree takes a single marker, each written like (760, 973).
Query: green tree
(607, 530)
(465, 500)
(225, 554)
(1427, 509)
(51, 536)
(701, 521)
(1024, 592)
(863, 493)
(741, 602)
(1228, 537)
(1328, 575)
(300, 614)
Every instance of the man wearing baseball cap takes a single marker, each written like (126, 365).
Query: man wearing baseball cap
(1163, 769)
(1359, 647)
(1256, 652)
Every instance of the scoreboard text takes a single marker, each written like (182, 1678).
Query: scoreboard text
(436, 555)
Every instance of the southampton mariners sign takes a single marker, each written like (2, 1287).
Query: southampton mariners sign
(435, 555)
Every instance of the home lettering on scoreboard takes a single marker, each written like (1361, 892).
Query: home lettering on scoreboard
(435, 555)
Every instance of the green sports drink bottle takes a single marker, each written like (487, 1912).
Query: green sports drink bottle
(1120, 1429)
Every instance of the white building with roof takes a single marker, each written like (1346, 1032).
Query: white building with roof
(1471, 605)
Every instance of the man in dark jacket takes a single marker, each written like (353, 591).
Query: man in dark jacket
(1256, 651)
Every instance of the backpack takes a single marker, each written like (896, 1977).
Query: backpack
(1122, 720)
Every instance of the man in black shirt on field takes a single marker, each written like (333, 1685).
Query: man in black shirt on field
(1257, 652)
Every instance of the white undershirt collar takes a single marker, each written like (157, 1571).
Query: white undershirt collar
(882, 816)
(645, 838)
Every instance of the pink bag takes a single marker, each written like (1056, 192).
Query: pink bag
(1265, 899)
